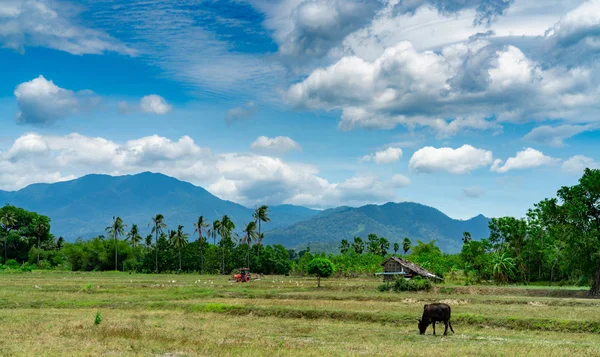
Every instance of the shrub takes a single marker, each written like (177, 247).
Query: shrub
(400, 284)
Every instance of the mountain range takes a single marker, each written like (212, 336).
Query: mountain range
(84, 206)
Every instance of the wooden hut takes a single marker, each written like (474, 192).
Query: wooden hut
(395, 266)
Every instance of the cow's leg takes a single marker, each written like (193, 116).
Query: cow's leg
(450, 323)
(434, 328)
(446, 329)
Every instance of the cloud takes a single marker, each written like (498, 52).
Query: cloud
(555, 136)
(462, 160)
(277, 146)
(449, 90)
(525, 159)
(576, 164)
(246, 178)
(154, 104)
(240, 113)
(42, 102)
(473, 192)
(389, 155)
(52, 24)
(486, 10)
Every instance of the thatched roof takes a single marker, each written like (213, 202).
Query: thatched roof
(413, 267)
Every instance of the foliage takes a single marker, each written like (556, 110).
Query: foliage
(401, 284)
(321, 268)
(98, 318)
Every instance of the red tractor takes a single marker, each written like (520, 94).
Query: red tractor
(242, 276)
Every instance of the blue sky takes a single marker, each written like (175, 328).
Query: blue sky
(468, 106)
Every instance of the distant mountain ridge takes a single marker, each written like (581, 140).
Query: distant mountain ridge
(84, 206)
(391, 220)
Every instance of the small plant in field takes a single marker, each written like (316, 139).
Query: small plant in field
(98, 318)
(87, 288)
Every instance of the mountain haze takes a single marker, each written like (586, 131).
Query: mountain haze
(391, 220)
(84, 206)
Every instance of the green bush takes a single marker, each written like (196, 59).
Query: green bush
(321, 268)
(400, 284)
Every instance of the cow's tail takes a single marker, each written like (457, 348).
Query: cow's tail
(449, 322)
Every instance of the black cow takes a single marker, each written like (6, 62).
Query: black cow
(435, 312)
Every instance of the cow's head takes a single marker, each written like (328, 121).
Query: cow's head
(422, 326)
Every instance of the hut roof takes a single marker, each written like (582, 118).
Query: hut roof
(414, 267)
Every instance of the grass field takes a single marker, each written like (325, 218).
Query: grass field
(52, 314)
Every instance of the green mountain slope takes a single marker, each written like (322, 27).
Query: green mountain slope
(391, 220)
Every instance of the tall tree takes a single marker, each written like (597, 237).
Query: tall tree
(8, 221)
(373, 244)
(261, 214)
(42, 228)
(406, 245)
(344, 246)
(158, 225)
(466, 237)
(581, 210)
(226, 228)
(396, 247)
(115, 229)
(358, 245)
(214, 230)
(250, 235)
(200, 226)
(179, 240)
(148, 242)
(134, 237)
(384, 245)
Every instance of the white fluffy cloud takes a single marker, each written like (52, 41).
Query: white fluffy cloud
(242, 177)
(462, 160)
(576, 164)
(42, 102)
(389, 155)
(275, 146)
(525, 159)
(51, 24)
(154, 104)
(450, 89)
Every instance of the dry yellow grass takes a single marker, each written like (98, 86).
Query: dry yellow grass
(52, 314)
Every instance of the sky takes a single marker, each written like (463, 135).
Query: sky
(472, 107)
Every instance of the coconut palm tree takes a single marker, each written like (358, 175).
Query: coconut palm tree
(199, 226)
(134, 237)
(250, 235)
(214, 230)
(41, 228)
(158, 225)
(115, 229)
(225, 229)
(148, 242)
(261, 214)
(396, 248)
(406, 245)
(179, 240)
(8, 221)
(503, 265)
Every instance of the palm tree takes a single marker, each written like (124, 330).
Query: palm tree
(8, 221)
(116, 228)
(226, 226)
(134, 237)
(503, 265)
(179, 240)
(158, 224)
(212, 232)
(261, 214)
(406, 245)
(41, 228)
(396, 247)
(249, 236)
(198, 227)
(148, 242)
